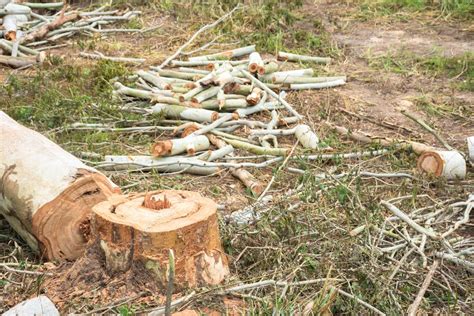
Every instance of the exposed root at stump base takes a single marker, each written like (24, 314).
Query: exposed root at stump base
(87, 279)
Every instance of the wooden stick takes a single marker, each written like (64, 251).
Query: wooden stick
(18, 62)
(170, 286)
(45, 29)
(272, 93)
(258, 150)
(243, 175)
(428, 128)
(294, 57)
(418, 148)
(404, 217)
(204, 28)
(375, 310)
(227, 54)
(51, 5)
(98, 55)
(470, 147)
(426, 283)
(462, 262)
(321, 85)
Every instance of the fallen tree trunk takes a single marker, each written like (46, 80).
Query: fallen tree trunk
(46, 194)
(140, 230)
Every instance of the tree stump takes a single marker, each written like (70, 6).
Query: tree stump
(141, 229)
(46, 194)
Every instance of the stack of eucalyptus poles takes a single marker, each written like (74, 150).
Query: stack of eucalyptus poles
(27, 34)
(215, 99)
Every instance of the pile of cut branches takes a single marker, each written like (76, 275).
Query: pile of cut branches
(29, 29)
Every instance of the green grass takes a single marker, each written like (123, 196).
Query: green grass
(460, 68)
(458, 9)
(271, 25)
(59, 94)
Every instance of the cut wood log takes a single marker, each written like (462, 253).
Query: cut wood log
(306, 136)
(254, 97)
(18, 62)
(56, 23)
(40, 305)
(185, 113)
(227, 54)
(142, 229)
(449, 164)
(270, 67)
(470, 148)
(171, 147)
(281, 76)
(294, 57)
(255, 186)
(162, 164)
(47, 194)
(256, 63)
(418, 148)
(153, 79)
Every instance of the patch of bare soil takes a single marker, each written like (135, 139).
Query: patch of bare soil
(86, 280)
(378, 95)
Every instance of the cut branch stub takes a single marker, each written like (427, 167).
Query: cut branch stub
(141, 230)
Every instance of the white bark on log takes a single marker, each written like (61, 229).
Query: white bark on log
(185, 113)
(250, 182)
(320, 85)
(98, 55)
(40, 305)
(254, 97)
(281, 76)
(153, 79)
(161, 164)
(306, 136)
(447, 164)
(141, 229)
(227, 54)
(294, 57)
(269, 68)
(46, 194)
(206, 94)
(179, 75)
(228, 104)
(256, 63)
(18, 62)
(270, 92)
(300, 80)
(470, 147)
(190, 144)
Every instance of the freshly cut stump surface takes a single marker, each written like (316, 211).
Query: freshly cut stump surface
(142, 229)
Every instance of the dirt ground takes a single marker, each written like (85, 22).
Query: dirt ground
(305, 235)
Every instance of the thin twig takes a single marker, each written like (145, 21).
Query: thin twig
(204, 28)
(429, 129)
(375, 310)
(426, 283)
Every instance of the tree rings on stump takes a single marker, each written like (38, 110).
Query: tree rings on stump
(142, 228)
